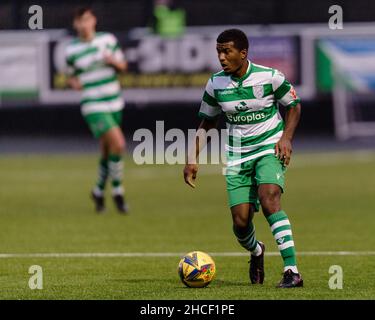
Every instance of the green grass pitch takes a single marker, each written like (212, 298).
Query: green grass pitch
(44, 208)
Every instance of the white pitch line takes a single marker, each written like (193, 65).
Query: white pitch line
(302, 160)
(173, 254)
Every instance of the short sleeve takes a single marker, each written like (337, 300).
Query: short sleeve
(115, 48)
(209, 107)
(284, 92)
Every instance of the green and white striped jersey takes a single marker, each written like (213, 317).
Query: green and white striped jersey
(85, 60)
(250, 104)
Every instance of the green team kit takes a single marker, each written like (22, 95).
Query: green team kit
(254, 127)
(101, 102)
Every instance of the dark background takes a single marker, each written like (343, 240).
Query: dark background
(126, 14)
(60, 120)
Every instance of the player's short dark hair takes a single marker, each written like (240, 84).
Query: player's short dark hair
(238, 37)
(79, 12)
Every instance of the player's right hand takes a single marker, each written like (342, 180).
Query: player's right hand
(74, 83)
(190, 174)
(283, 150)
(109, 59)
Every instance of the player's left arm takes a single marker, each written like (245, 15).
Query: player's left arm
(286, 95)
(71, 79)
(209, 112)
(120, 66)
(115, 57)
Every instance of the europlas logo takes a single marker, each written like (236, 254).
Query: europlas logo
(246, 118)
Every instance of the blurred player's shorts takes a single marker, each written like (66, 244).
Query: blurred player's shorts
(101, 122)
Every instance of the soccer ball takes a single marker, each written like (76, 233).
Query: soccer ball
(196, 269)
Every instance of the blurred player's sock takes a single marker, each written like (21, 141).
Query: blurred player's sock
(246, 238)
(115, 166)
(282, 232)
(102, 177)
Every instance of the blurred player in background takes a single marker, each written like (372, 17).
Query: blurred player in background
(259, 148)
(94, 59)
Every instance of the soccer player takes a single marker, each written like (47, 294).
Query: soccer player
(259, 148)
(93, 60)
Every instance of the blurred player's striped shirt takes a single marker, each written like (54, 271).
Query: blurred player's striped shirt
(253, 120)
(85, 60)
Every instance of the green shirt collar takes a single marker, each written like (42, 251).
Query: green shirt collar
(249, 67)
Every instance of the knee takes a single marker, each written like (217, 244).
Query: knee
(242, 215)
(121, 145)
(118, 146)
(270, 200)
(239, 221)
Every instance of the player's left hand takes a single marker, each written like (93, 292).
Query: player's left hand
(119, 66)
(283, 150)
(110, 60)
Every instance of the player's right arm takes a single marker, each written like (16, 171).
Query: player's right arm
(209, 112)
(72, 81)
(114, 56)
(191, 167)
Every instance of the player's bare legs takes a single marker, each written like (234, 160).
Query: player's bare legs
(270, 200)
(104, 150)
(242, 214)
(243, 228)
(114, 141)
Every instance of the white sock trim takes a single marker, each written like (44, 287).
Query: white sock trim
(283, 234)
(115, 170)
(286, 245)
(118, 191)
(280, 224)
(293, 268)
(97, 191)
(257, 251)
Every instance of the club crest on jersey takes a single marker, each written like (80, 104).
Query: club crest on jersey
(258, 92)
(242, 106)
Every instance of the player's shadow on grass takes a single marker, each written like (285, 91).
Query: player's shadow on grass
(135, 280)
(224, 283)
(216, 282)
(230, 283)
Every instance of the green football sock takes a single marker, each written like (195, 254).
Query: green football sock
(102, 174)
(115, 166)
(282, 232)
(246, 238)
